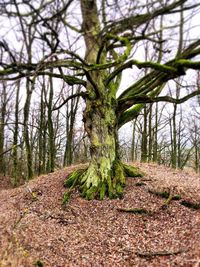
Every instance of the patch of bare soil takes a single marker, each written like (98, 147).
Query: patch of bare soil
(36, 230)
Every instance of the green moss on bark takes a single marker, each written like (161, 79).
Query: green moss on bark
(118, 170)
(102, 190)
(131, 171)
(73, 179)
(164, 194)
(66, 198)
(101, 181)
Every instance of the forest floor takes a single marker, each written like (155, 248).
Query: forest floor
(37, 230)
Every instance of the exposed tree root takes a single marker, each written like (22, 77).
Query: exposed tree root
(72, 179)
(191, 205)
(140, 184)
(150, 254)
(169, 198)
(135, 210)
(131, 171)
(165, 194)
(98, 182)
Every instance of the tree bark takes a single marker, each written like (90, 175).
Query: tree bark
(29, 156)
(144, 137)
(51, 139)
(102, 176)
(3, 104)
(42, 133)
(105, 174)
(15, 139)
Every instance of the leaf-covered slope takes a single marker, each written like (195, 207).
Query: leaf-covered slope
(36, 229)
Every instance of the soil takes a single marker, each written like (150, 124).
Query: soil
(37, 230)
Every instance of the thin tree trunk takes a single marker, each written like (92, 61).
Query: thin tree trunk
(144, 138)
(150, 145)
(51, 141)
(2, 127)
(41, 134)
(15, 139)
(155, 144)
(26, 130)
(133, 152)
(174, 138)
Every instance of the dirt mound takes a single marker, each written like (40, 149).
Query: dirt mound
(36, 230)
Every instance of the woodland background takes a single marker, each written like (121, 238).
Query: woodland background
(41, 125)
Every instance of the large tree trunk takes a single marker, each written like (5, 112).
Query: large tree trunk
(104, 173)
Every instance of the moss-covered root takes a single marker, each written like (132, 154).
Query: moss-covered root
(73, 179)
(164, 194)
(90, 183)
(106, 180)
(191, 205)
(131, 171)
(134, 210)
(102, 182)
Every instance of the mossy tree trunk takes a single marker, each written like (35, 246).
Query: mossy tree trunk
(105, 174)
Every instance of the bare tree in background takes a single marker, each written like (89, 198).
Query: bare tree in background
(110, 40)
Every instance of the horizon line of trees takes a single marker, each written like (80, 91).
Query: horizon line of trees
(162, 133)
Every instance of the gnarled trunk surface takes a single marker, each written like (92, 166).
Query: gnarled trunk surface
(105, 175)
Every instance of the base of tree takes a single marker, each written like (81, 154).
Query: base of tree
(94, 182)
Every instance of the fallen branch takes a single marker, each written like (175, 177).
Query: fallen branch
(150, 254)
